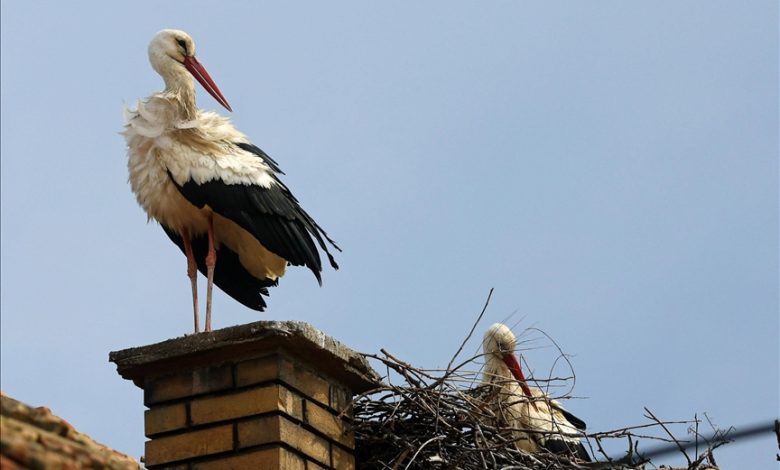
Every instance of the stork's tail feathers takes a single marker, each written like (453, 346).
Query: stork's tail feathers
(333, 261)
(319, 233)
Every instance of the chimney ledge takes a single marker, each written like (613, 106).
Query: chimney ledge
(228, 344)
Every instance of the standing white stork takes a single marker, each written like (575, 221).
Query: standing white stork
(211, 189)
(538, 422)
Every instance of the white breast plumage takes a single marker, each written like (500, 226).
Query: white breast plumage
(196, 150)
(148, 176)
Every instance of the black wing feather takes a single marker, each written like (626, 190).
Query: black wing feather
(229, 274)
(251, 148)
(272, 215)
(562, 447)
(575, 421)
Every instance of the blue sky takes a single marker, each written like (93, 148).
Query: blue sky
(610, 168)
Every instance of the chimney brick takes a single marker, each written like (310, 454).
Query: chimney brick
(277, 429)
(265, 459)
(165, 418)
(342, 459)
(328, 423)
(187, 384)
(186, 446)
(268, 395)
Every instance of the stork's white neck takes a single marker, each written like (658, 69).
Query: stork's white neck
(181, 87)
(179, 83)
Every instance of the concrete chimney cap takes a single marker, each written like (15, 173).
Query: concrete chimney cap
(296, 338)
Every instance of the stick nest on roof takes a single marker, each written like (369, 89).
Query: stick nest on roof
(443, 419)
(435, 420)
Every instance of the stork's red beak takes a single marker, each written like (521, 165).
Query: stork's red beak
(511, 361)
(199, 72)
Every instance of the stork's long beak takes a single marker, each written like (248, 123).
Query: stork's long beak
(511, 361)
(199, 72)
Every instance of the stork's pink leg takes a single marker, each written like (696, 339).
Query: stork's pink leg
(192, 273)
(211, 261)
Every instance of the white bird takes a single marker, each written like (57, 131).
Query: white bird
(215, 194)
(537, 421)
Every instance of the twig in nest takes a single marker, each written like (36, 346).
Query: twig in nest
(679, 446)
(437, 438)
(473, 327)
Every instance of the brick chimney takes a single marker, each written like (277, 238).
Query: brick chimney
(269, 395)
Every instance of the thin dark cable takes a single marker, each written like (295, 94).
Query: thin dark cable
(747, 431)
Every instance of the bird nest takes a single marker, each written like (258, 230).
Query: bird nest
(442, 419)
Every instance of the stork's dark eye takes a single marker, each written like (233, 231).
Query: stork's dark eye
(183, 45)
